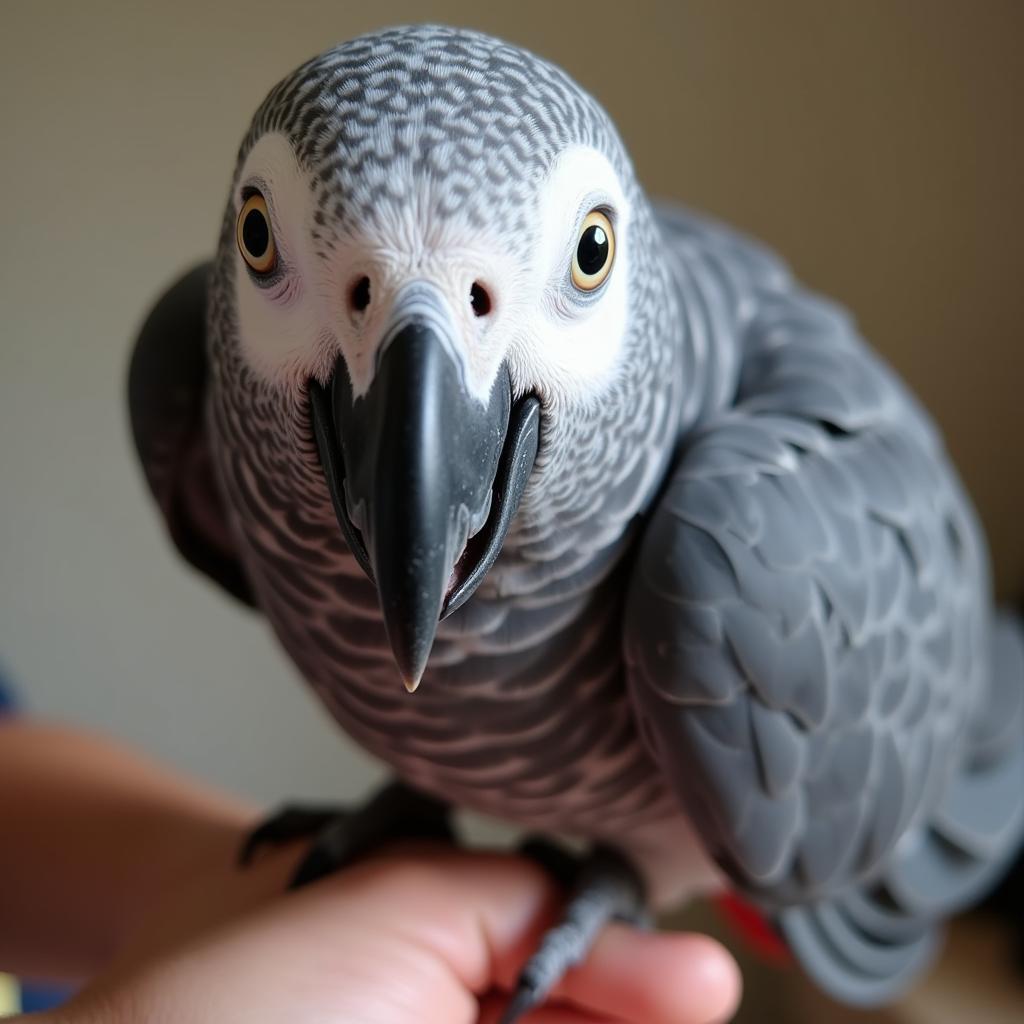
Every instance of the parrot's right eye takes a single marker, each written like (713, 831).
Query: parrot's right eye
(255, 239)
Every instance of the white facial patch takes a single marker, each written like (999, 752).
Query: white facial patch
(561, 345)
(284, 333)
(296, 329)
(566, 349)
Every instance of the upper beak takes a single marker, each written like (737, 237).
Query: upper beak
(418, 465)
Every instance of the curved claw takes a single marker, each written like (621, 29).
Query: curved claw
(293, 821)
(341, 836)
(606, 888)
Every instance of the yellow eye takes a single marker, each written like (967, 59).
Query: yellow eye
(595, 252)
(255, 239)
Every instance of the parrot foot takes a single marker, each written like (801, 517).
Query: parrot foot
(341, 836)
(603, 887)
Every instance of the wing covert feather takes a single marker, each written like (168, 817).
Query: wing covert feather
(166, 398)
(807, 627)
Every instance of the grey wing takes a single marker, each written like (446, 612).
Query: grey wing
(166, 401)
(814, 660)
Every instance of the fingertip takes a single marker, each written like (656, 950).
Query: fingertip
(708, 989)
(705, 985)
(715, 974)
(660, 978)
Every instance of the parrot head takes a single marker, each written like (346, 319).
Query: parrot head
(435, 277)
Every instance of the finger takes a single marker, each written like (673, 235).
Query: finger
(478, 913)
(484, 914)
(416, 935)
(653, 978)
(656, 978)
(481, 915)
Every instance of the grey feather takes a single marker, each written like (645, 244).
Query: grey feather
(167, 385)
(845, 576)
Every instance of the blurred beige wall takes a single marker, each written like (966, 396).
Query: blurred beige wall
(877, 145)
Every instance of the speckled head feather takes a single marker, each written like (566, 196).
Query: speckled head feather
(477, 120)
(418, 142)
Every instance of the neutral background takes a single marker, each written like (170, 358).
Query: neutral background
(879, 146)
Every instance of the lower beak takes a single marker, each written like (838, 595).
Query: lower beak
(425, 476)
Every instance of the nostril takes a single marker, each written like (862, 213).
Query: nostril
(479, 299)
(359, 296)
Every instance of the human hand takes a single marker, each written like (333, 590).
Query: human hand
(425, 937)
(94, 836)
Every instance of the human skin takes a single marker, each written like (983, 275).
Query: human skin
(125, 875)
(421, 936)
(93, 834)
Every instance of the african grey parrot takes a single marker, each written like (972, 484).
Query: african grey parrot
(674, 562)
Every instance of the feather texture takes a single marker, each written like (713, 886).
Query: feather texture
(744, 594)
(810, 641)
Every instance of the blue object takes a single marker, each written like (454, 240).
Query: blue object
(34, 998)
(6, 698)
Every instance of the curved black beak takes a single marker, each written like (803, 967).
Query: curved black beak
(425, 477)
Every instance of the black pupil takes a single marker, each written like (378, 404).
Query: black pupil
(255, 233)
(592, 252)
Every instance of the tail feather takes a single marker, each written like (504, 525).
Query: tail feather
(875, 914)
(982, 813)
(1000, 724)
(855, 965)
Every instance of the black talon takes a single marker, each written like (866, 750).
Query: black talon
(523, 1000)
(334, 848)
(293, 821)
(341, 837)
(560, 864)
(605, 887)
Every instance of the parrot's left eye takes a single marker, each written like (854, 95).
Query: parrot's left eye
(595, 252)
(255, 239)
